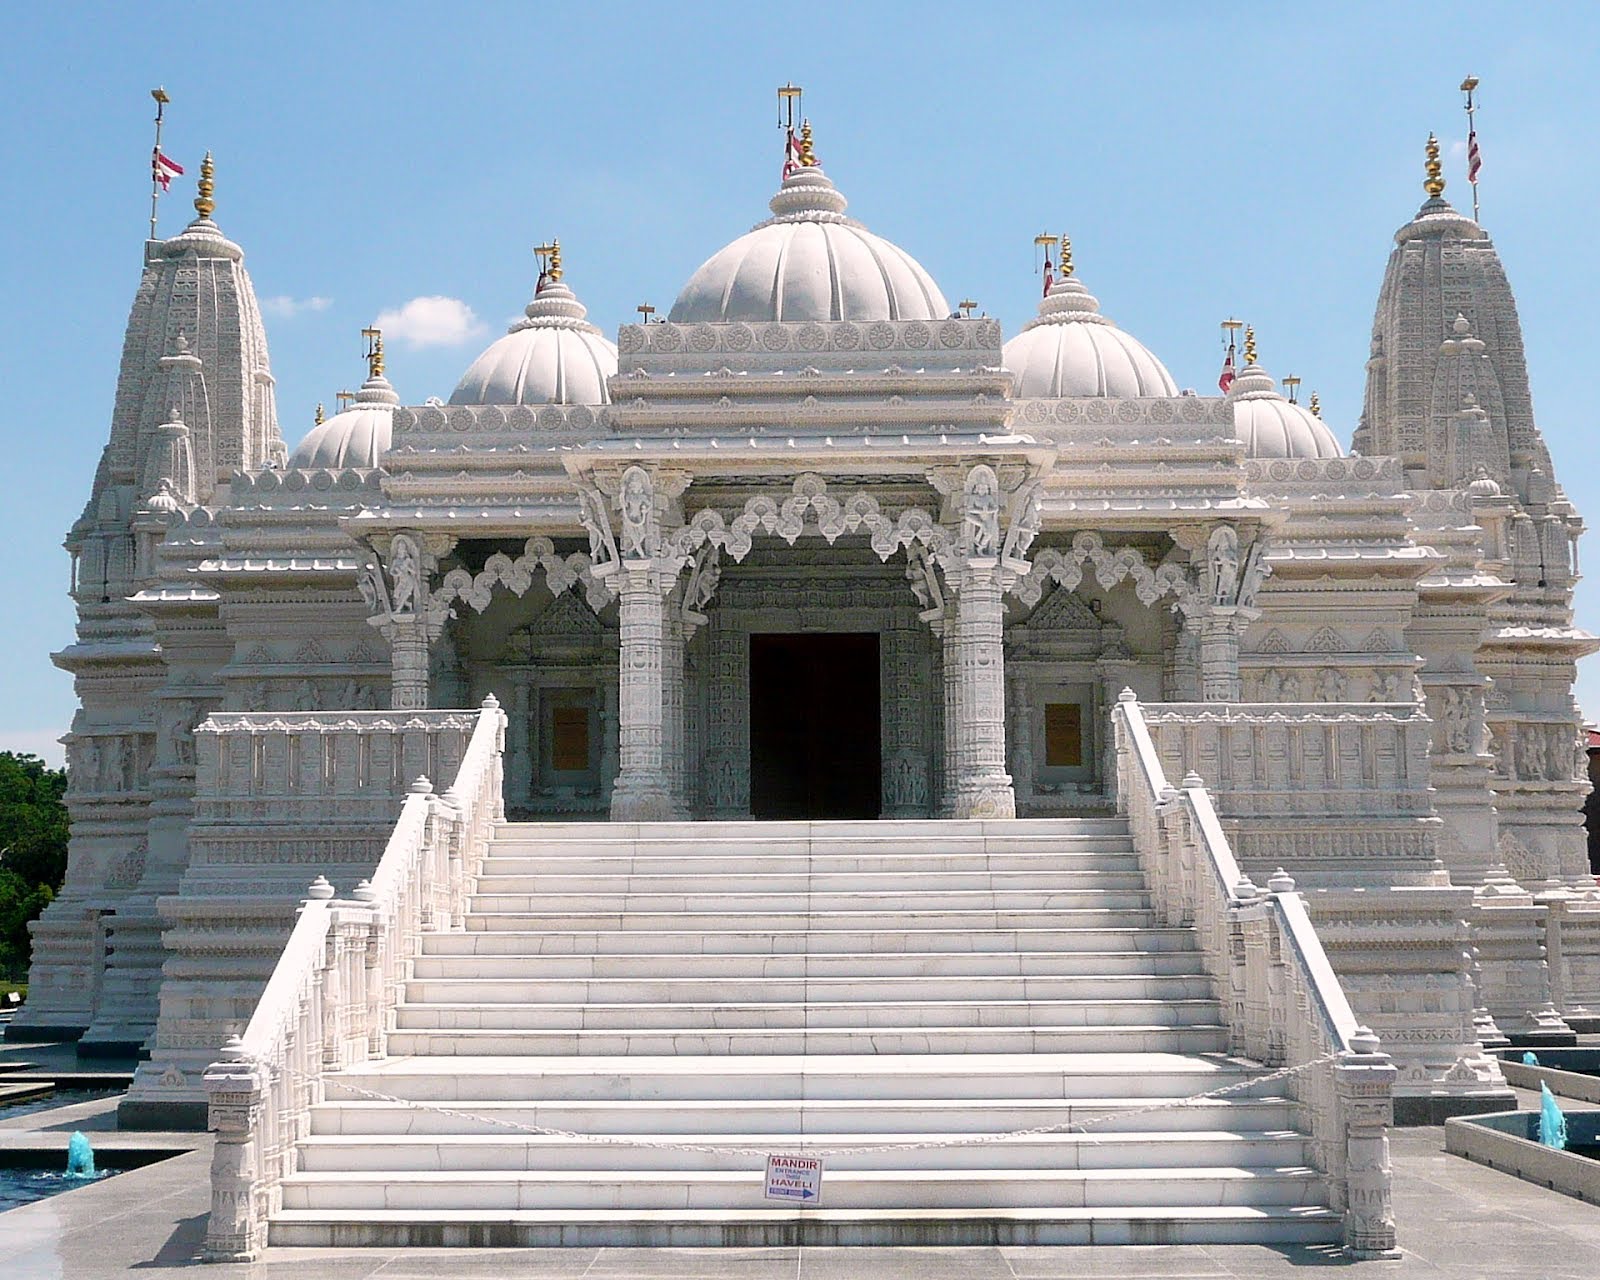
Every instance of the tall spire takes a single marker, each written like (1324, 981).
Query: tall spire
(1433, 184)
(1250, 345)
(204, 203)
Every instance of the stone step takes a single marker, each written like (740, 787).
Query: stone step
(556, 860)
(1059, 1076)
(488, 900)
(774, 1226)
(1093, 966)
(510, 937)
(932, 830)
(927, 1188)
(885, 921)
(858, 1039)
(736, 1014)
(497, 880)
(1107, 989)
(892, 1115)
(537, 1153)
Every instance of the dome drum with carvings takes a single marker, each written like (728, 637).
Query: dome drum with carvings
(1070, 350)
(553, 355)
(809, 262)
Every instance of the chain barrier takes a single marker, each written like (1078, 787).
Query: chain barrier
(966, 1140)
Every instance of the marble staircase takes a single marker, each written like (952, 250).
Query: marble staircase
(700, 994)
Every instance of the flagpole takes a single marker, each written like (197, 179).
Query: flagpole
(160, 95)
(1467, 86)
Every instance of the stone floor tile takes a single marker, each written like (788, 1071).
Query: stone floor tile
(824, 1262)
(695, 1264)
(1112, 1262)
(481, 1264)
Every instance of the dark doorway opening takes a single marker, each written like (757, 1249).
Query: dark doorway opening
(814, 726)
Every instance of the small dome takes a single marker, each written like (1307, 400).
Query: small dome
(357, 437)
(1270, 427)
(809, 262)
(551, 356)
(1070, 349)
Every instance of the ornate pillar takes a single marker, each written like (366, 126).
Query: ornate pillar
(640, 794)
(950, 667)
(1223, 606)
(405, 610)
(673, 738)
(519, 744)
(982, 785)
(608, 735)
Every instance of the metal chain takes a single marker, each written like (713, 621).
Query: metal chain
(970, 1140)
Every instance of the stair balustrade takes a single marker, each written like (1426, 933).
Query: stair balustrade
(1285, 1006)
(331, 1000)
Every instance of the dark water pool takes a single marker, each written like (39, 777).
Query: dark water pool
(23, 1186)
(56, 1098)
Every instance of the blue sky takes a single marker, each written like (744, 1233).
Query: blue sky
(1206, 160)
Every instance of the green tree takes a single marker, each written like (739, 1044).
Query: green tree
(33, 849)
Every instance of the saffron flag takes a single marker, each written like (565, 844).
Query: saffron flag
(164, 169)
(1474, 156)
(1226, 379)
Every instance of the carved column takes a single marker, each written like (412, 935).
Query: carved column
(727, 781)
(983, 787)
(951, 669)
(672, 706)
(408, 657)
(1219, 656)
(407, 613)
(519, 756)
(640, 794)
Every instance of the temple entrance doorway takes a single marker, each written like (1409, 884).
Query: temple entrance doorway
(815, 748)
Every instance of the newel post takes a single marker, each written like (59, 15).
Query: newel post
(237, 1106)
(1363, 1079)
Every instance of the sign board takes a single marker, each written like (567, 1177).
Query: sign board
(797, 1179)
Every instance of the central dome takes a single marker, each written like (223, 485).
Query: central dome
(809, 262)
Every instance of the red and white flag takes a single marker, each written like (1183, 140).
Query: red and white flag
(791, 156)
(164, 169)
(1049, 277)
(1226, 379)
(1474, 156)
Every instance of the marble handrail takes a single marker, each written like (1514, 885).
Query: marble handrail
(1285, 1006)
(331, 1000)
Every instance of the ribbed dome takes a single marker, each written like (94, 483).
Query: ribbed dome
(809, 262)
(1070, 349)
(357, 437)
(1271, 427)
(552, 356)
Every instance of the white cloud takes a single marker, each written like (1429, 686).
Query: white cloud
(286, 308)
(432, 321)
(1458, 149)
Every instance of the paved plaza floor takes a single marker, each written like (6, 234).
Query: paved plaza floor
(1457, 1220)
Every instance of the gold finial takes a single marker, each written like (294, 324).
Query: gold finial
(1316, 405)
(1066, 255)
(1249, 344)
(374, 339)
(808, 156)
(1433, 184)
(550, 259)
(204, 203)
(320, 419)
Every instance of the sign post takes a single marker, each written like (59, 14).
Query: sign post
(797, 1179)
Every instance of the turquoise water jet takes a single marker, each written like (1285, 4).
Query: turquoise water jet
(80, 1157)
(1552, 1124)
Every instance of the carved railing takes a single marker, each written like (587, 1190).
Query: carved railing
(1285, 1006)
(330, 1002)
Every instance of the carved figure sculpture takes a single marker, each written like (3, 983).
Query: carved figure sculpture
(981, 513)
(405, 568)
(369, 581)
(1222, 552)
(1332, 685)
(592, 512)
(638, 515)
(1457, 721)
